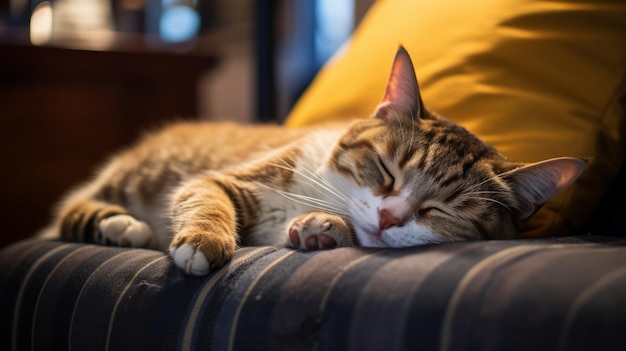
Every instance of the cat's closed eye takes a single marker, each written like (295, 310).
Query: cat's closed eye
(426, 211)
(388, 177)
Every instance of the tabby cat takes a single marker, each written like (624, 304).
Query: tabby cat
(403, 177)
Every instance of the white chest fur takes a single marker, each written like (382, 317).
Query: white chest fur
(307, 192)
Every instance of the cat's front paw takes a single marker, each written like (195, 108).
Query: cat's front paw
(124, 230)
(319, 230)
(200, 253)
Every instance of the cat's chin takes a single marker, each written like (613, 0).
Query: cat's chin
(395, 237)
(370, 237)
(410, 234)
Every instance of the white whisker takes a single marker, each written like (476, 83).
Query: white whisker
(486, 180)
(485, 192)
(316, 182)
(308, 201)
(412, 142)
(492, 200)
(339, 190)
(313, 200)
(346, 189)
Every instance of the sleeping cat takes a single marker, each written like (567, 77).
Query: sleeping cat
(402, 177)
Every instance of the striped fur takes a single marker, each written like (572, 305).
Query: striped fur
(403, 177)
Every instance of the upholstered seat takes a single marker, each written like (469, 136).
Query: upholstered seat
(534, 294)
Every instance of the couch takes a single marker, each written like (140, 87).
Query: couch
(533, 294)
(536, 79)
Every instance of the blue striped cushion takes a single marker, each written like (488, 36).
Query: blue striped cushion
(567, 293)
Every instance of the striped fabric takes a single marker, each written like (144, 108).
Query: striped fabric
(558, 294)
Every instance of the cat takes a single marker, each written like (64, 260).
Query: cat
(403, 177)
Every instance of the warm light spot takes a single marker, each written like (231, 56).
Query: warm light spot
(83, 24)
(133, 4)
(41, 24)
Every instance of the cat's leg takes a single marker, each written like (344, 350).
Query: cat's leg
(98, 222)
(320, 230)
(205, 216)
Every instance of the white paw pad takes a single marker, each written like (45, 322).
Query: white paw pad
(124, 230)
(190, 259)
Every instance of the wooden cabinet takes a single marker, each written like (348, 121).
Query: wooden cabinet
(63, 111)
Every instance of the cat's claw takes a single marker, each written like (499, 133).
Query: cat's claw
(190, 259)
(124, 230)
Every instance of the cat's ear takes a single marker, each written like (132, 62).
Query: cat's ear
(402, 96)
(536, 183)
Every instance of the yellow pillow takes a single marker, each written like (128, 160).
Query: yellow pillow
(535, 79)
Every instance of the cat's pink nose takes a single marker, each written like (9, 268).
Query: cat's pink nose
(387, 219)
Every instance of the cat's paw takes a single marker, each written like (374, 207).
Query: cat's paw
(190, 259)
(319, 230)
(200, 253)
(124, 230)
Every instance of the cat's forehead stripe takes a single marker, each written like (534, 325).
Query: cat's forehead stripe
(407, 153)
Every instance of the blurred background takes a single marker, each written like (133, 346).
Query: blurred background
(81, 78)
